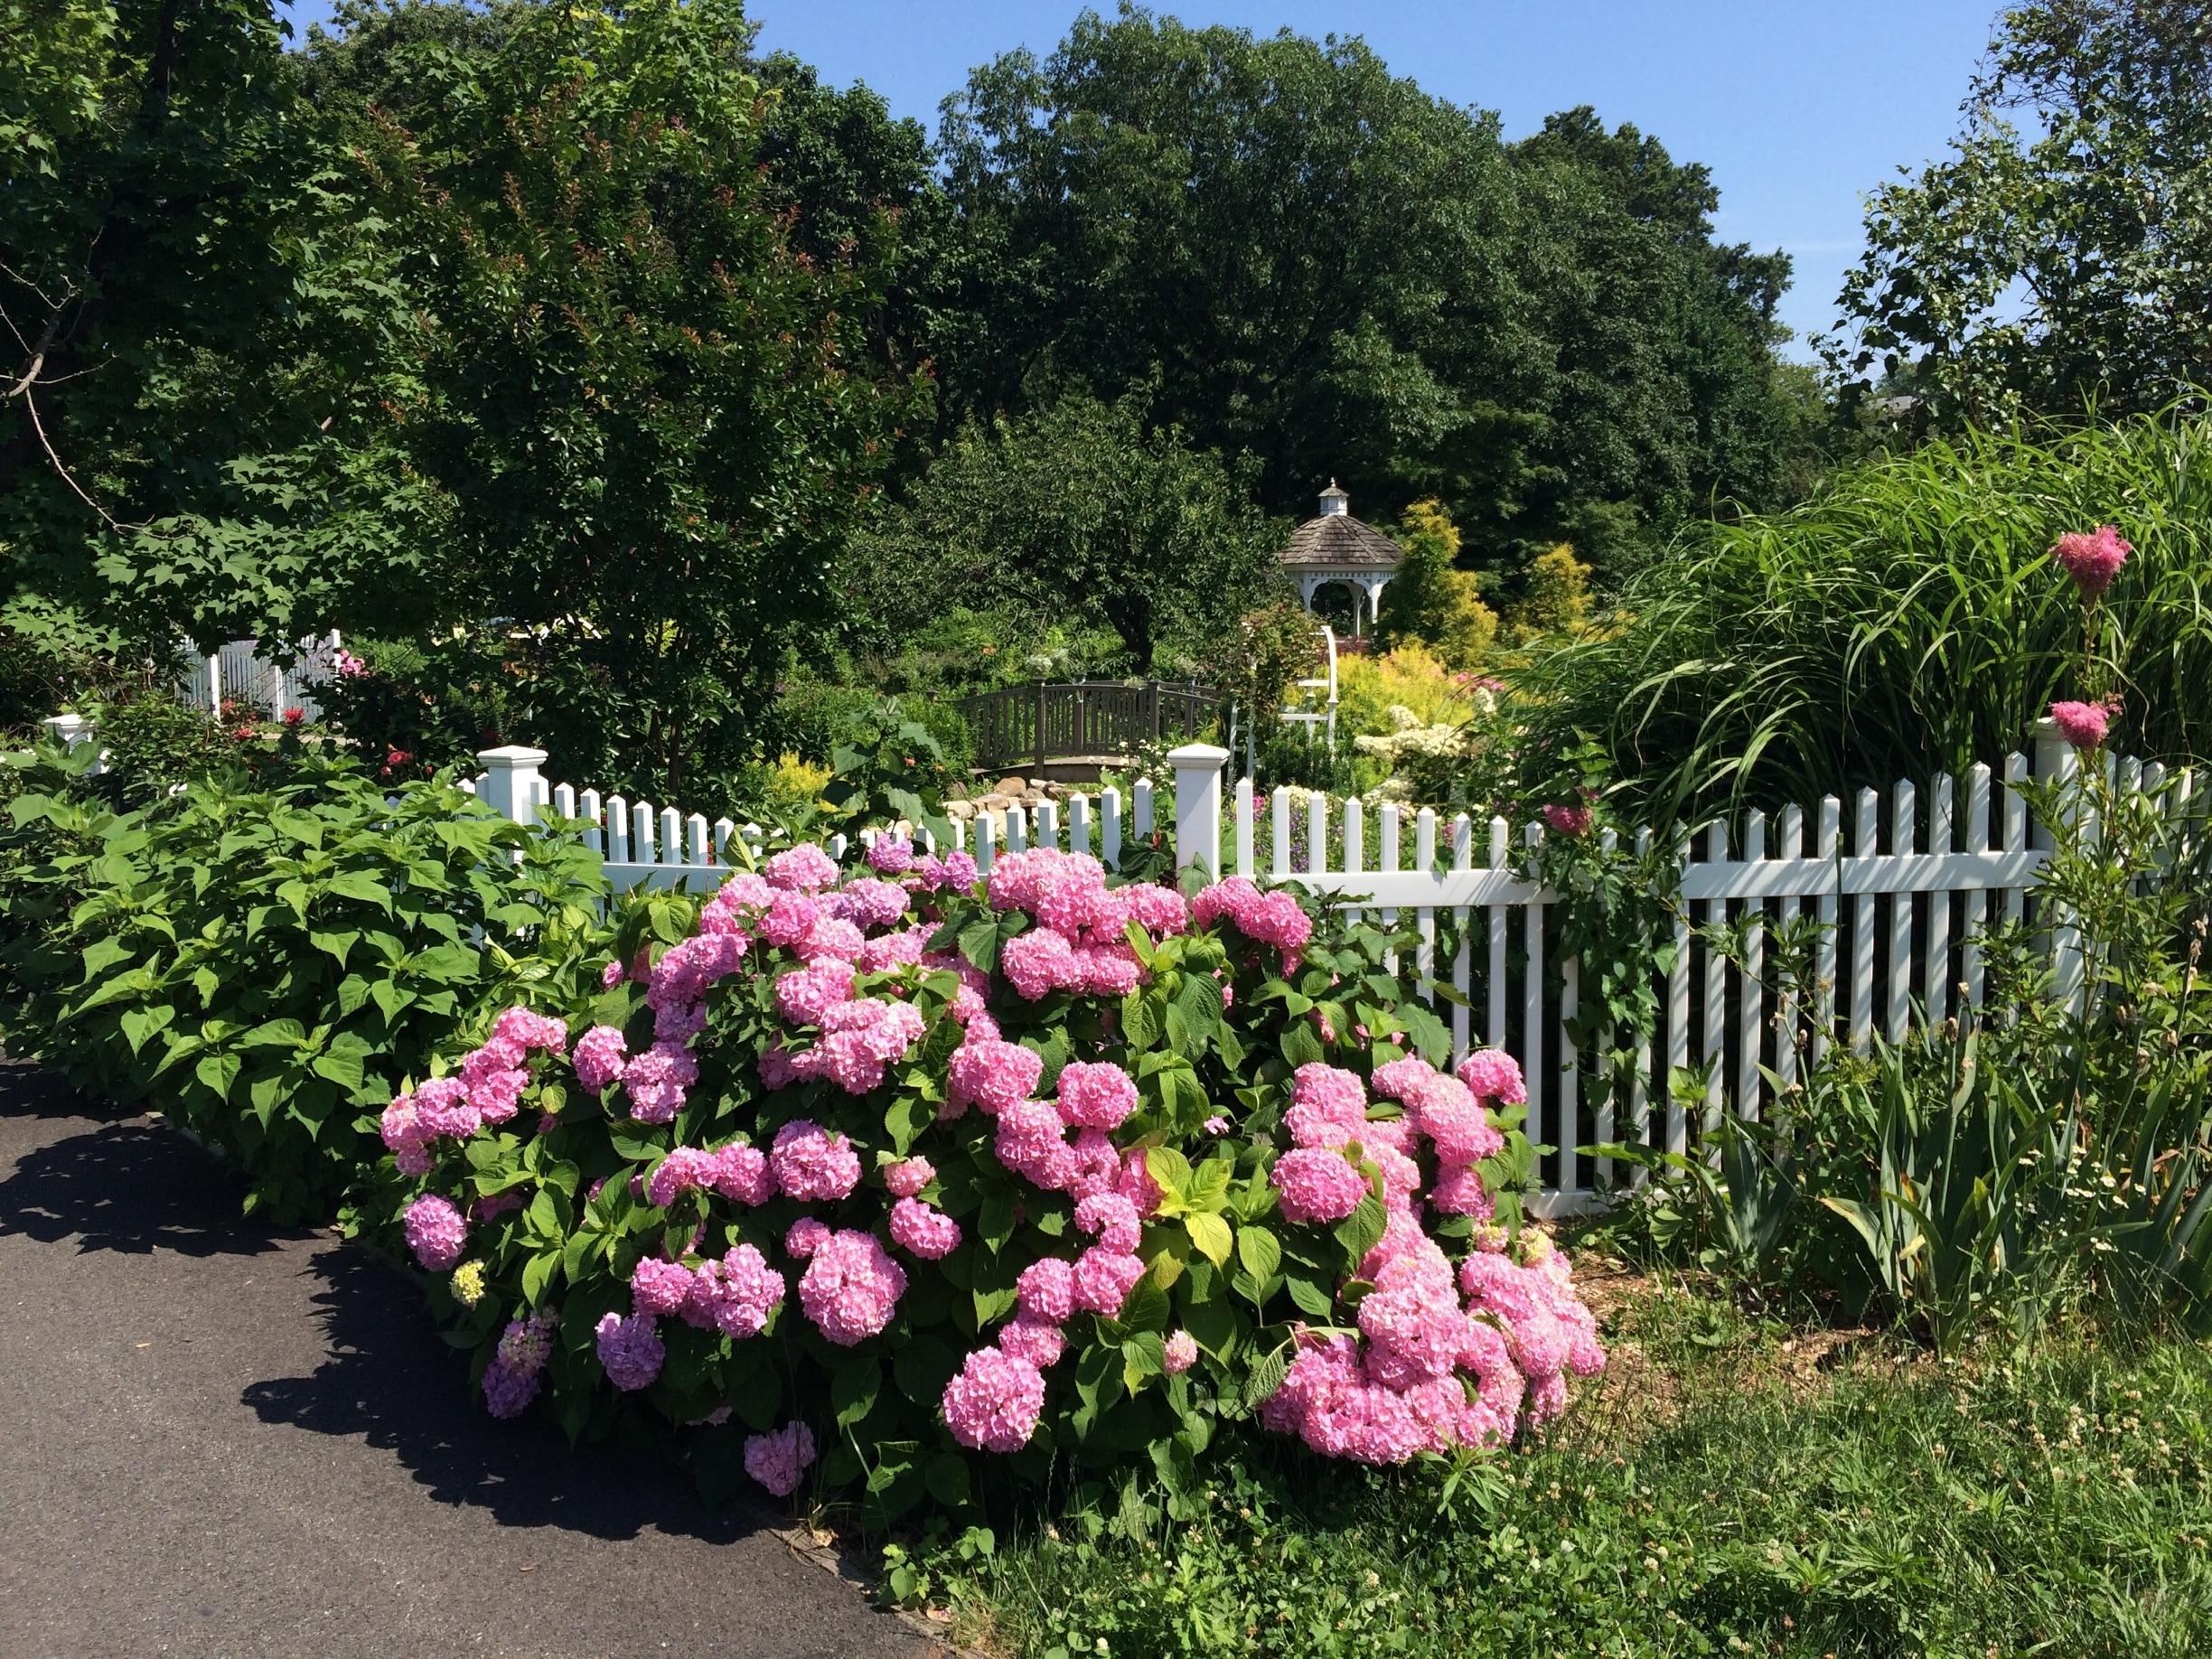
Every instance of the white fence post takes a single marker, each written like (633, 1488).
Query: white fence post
(68, 730)
(510, 783)
(2054, 758)
(1197, 805)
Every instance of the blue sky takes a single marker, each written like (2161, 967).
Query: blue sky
(1798, 106)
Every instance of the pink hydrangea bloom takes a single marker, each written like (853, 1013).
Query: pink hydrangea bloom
(1224, 898)
(2086, 726)
(781, 1459)
(1137, 1184)
(1179, 1353)
(2092, 558)
(1328, 1106)
(1037, 962)
(1461, 1131)
(1459, 1190)
(780, 1068)
(735, 1295)
(1038, 1342)
(1316, 1185)
(1160, 911)
(788, 918)
(993, 1075)
(995, 1401)
(892, 855)
(1493, 1074)
(1014, 878)
(899, 950)
(1096, 1094)
(1095, 1165)
(599, 1056)
(1104, 1279)
(443, 1112)
(1568, 820)
(807, 1235)
(681, 1171)
(1047, 1290)
(656, 1080)
(630, 1349)
(1413, 1316)
(805, 994)
(507, 1391)
(1104, 970)
(659, 1288)
(689, 967)
(1404, 1081)
(871, 904)
(802, 869)
(1113, 1218)
(831, 939)
(922, 1231)
(907, 1177)
(1070, 893)
(532, 1030)
(1278, 920)
(812, 1163)
(851, 1287)
(436, 1233)
(1032, 1142)
(742, 1175)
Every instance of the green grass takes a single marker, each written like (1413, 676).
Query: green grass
(1720, 1494)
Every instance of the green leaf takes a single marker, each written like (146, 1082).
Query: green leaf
(979, 942)
(1212, 1235)
(1169, 1170)
(947, 1480)
(1301, 1045)
(853, 1390)
(537, 1269)
(1266, 1377)
(218, 1072)
(1362, 1231)
(1313, 1301)
(1259, 1251)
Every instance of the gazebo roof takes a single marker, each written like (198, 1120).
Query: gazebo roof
(1336, 540)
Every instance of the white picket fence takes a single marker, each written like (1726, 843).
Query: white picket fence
(1901, 890)
(238, 672)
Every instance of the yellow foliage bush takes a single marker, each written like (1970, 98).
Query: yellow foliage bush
(1412, 677)
(792, 785)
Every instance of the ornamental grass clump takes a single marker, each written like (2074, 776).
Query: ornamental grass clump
(906, 1182)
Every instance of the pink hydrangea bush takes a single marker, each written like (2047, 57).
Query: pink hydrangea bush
(828, 1167)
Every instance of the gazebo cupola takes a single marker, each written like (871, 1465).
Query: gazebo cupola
(1335, 547)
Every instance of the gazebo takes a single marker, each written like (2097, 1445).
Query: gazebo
(1335, 547)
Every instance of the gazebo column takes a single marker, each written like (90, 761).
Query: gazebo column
(1375, 588)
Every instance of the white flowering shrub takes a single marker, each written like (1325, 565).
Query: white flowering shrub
(904, 1182)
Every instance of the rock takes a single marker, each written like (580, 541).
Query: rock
(1009, 786)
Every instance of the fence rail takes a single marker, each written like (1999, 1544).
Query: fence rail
(1042, 722)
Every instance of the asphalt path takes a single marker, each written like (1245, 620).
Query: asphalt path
(216, 1440)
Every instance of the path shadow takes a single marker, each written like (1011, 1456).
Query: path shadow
(391, 1379)
(132, 1187)
(29, 1090)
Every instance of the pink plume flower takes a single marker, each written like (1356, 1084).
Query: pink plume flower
(2086, 726)
(2092, 558)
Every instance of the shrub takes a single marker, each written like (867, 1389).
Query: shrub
(1906, 621)
(900, 1172)
(266, 963)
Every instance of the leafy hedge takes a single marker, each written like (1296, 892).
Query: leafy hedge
(266, 962)
(921, 1186)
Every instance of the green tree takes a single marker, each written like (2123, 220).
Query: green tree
(193, 436)
(1429, 599)
(2063, 251)
(652, 415)
(1076, 510)
(1313, 261)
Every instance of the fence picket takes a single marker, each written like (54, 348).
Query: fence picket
(1865, 845)
(1935, 975)
(1463, 959)
(1078, 824)
(1714, 1056)
(1499, 831)
(1750, 991)
(594, 819)
(1109, 826)
(1532, 1000)
(1678, 1021)
(1793, 848)
(1904, 829)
